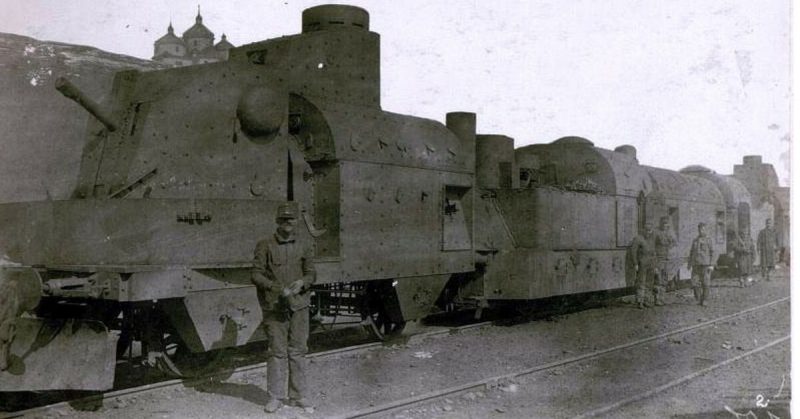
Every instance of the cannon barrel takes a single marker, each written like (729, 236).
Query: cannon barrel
(71, 91)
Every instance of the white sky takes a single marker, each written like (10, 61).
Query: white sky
(685, 81)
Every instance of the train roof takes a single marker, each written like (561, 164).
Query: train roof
(675, 185)
(733, 191)
(616, 172)
(365, 133)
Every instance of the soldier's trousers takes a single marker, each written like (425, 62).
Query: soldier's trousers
(287, 334)
(701, 281)
(765, 269)
(644, 283)
(7, 332)
(660, 280)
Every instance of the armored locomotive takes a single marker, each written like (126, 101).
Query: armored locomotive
(184, 168)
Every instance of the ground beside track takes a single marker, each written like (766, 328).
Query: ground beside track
(594, 384)
(356, 381)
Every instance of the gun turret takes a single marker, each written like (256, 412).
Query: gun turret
(72, 92)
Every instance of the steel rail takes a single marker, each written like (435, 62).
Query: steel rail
(410, 401)
(641, 396)
(237, 371)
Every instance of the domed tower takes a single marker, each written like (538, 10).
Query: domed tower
(198, 37)
(222, 47)
(169, 48)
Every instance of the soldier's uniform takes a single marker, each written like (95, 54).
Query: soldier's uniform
(280, 262)
(642, 252)
(767, 243)
(9, 311)
(701, 261)
(664, 242)
(744, 250)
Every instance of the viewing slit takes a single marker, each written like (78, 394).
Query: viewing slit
(289, 177)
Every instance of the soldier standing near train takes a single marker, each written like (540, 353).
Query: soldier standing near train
(744, 249)
(642, 252)
(701, 262)
(664, 243)
(767, 244)
(283, 274)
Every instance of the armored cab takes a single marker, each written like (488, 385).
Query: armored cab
(556, 218)
(180, 177)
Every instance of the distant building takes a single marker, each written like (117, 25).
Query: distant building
(196, 46)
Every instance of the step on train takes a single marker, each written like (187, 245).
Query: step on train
(183, 169)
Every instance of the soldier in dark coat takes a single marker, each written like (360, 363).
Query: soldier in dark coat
(701, 262)
(767, 244)
(642, 253)
(664, 243)
(283, 274)
(745, 250)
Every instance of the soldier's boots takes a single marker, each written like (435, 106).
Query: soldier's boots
(302, 403)
(273, 406)
(4, 346)
(640, 305)
(697, 296)
(658, 296)
(704, 295)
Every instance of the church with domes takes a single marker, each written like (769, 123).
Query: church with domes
(196, 46)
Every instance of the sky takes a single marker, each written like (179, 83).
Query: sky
(684, 81)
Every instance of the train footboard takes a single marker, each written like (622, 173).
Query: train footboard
(70, 354)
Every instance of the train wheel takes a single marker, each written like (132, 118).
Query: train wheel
(176, 360)
(381, 326)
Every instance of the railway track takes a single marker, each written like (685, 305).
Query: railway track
(382, 409)
(442, 324)
(406, 403)
(97, 399)
(686, 378)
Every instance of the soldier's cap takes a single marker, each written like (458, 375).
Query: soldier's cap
(288, 210)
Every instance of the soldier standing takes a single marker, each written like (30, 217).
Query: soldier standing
(745, 249)
(701, 262)
(642, 253)
(283, 274)
(767, 243)
(664, 243)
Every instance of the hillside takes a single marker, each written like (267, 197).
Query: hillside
(42, 132)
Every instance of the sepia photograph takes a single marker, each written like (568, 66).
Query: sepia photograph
(303, 209)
